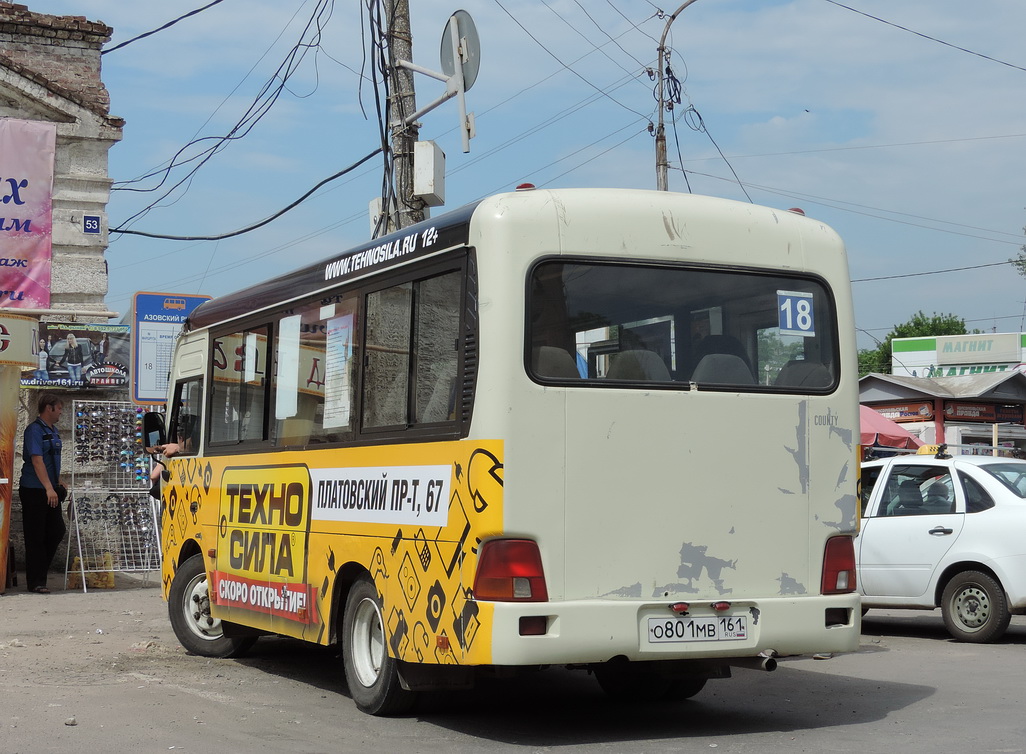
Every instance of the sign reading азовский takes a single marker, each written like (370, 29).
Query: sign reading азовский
(158, 323)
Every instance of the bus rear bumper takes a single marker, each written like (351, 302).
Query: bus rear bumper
(595, 631)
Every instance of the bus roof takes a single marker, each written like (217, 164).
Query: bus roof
(436, 234)
(453, 229)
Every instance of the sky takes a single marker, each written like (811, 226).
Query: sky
(910, 142)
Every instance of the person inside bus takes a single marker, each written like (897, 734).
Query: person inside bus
(181, 444)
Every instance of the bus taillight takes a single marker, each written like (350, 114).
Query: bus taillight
(510, 570)
(839, 566)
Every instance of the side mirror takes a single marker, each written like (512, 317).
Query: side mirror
(153, 430)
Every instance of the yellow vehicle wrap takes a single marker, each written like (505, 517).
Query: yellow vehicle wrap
(276, 537)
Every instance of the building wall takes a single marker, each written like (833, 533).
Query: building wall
(50, 70)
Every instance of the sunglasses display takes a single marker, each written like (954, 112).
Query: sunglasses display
(113, 519)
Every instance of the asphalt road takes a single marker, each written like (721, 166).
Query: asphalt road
(103, 672)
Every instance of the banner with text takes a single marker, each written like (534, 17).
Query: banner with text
(74, 355)
(27, 149)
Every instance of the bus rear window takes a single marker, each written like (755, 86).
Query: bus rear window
(672, 326)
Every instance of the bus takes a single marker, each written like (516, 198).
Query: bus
(605, 429)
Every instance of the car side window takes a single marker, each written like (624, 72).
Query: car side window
(976, 498)
(916, 490)
(867, 482)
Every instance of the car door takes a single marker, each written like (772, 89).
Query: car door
(916, 519)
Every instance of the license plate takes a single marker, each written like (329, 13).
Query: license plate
(711, 628)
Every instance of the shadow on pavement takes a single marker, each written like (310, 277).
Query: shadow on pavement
(558, 707)
(927, 624)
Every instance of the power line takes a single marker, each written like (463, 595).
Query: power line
(260, 224)
(165, 26)
(835, 204)
(265, 99)
(932, 272)
(699, 125)
(634, 26)
(608, 36)
(593, 157)
(564, 65)
(868, 146)
(926, 36)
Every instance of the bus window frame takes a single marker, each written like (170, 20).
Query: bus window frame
(176, 407)
(246, 325)
(460, 260)
(681, 385)
(453, 262)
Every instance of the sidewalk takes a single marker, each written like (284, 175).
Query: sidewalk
(56, 583)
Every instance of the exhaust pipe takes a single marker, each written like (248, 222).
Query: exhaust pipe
(768, 664)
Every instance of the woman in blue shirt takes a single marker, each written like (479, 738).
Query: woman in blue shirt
(41, 514)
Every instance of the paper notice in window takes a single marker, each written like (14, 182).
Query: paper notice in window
(337, 381)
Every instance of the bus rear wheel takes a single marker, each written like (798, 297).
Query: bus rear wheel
(371, 674)
(188, 605)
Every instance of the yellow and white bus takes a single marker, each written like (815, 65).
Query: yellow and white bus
(607, 429)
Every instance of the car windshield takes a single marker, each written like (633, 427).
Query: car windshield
(1012, 475)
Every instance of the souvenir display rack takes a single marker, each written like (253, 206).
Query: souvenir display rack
(113, 519)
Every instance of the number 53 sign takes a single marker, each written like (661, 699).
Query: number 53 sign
(91, 224)
(797, 316)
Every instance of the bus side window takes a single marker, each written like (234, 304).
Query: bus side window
(387, 343)
(240, 386)
(435, 347)
(314, 375)
(412, 332)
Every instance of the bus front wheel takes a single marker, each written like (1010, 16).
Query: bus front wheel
(188, 605)
(371, 674)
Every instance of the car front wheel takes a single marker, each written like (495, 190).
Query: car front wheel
(975, 608)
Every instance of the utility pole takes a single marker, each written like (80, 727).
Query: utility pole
(662, 165)
(402, 102)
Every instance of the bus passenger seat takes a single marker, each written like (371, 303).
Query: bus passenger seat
(800, 373)
(725, 344)
(646, 366)
(549, 361)
(723, 369)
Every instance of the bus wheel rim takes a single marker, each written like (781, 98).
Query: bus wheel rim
(368, 643)
(197, 610)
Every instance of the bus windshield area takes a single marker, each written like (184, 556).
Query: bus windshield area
(616, 324)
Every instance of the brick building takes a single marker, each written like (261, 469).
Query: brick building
(50, 71)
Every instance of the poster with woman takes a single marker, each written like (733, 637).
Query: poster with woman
(80, 356)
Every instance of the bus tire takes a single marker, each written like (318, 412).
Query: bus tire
(372, 675)
(188, 605)
(975, 608)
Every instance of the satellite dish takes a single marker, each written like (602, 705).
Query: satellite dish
(465, 30)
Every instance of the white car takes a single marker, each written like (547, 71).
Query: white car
(948, 532)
